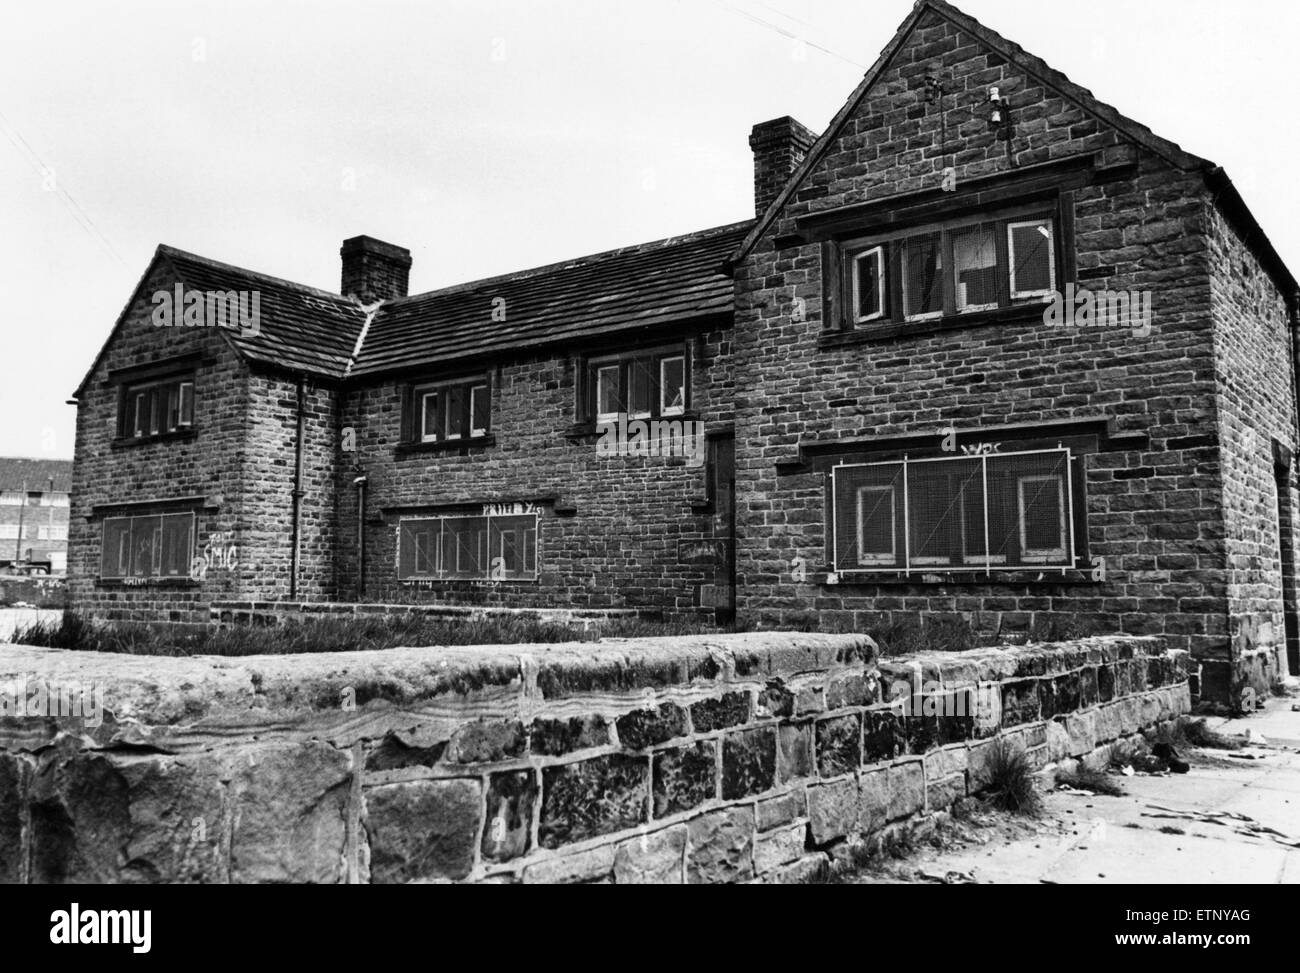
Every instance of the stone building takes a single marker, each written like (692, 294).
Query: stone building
(989, 350)
(34, 504)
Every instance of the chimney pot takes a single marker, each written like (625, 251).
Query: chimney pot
(374, 270)
(779, 147)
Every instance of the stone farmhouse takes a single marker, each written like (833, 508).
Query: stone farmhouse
(989, 350)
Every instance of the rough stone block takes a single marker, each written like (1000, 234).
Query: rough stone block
(921, 728)
(14, 775)
(559, 737)
(1058, 741)
(779, 847)
(883, 737)
(653, 859)
(720, 847)
(1105, 683)
(873, 800)
(1019, 702)
(833, 810)
(510, 801)
(782, 809)
(957, 716)
(290, 804)
(592, 797)
(748, 762)
(684, 777)
(946, 761)
(943, 793)
(848, 689)
(906, 790)
(719, 714)
(839, 745)
(775, 700)
(1088, 689)
(810, 698)
(1082, 728)
(485, 741)
(1130, 714)
(423, 829)
(583, 867)
(646, 727)
(1109, 725)
(988, 709)
(794, 757)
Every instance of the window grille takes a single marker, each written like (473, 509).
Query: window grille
(473, 548)
(992, 512)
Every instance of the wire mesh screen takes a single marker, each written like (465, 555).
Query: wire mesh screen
(478, 548)
(981, 513)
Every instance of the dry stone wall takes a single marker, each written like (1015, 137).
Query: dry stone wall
(703, 759)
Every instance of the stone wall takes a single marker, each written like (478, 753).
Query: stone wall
(703, 759)
(612, 531)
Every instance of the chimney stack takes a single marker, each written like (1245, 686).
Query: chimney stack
(374, 270)
(779, 147)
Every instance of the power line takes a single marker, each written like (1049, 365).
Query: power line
(44, 170)
(788, 33)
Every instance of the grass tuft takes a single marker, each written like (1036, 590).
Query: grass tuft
(1011, 780)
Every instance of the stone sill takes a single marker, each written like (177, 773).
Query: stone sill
(461, 446)
(180, 436)
(897, 331)
(970, 578)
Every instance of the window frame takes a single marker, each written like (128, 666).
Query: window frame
(157, 553)
(881, 284)
(1037, 555)
(1013, 225)
(417, 416)
(651, 360)
(1071, 503)
(893, 525)
(144, 407)
(893, 246)
(440, 572)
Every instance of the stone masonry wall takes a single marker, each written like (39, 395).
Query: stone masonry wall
(700, 760)
(1255, 374)
(210, 464)
(613, 531)
(1153, 507)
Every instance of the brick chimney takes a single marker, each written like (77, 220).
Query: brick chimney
(374, 270)
(779, 147)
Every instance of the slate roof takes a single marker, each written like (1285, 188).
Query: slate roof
(310, 330)
(15, 472)
(301, 328)
(651, 284)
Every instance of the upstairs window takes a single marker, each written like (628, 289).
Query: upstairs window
(156, 408)
(640, 385)
(945, 270)
(447, 412)
(996, 512)
(152, 546)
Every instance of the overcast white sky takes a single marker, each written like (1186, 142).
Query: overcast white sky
(493, 135)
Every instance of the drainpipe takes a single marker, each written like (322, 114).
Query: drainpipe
(22, 507)
(297, 489)
(360, 484)
(1293, 309)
